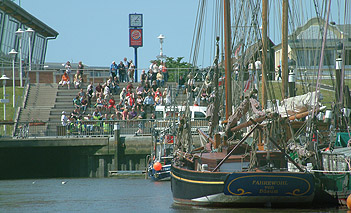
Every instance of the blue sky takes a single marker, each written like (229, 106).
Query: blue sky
(96, 32)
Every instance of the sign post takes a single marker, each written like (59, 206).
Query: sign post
(136, 37)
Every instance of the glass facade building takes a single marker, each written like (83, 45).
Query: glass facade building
(12, 18)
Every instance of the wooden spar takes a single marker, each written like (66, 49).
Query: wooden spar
(285, 68)
(227, 61)
(207, 137)
(234, 148)
(304, 114)
(264, 51)
(298, 116)
(248, 123)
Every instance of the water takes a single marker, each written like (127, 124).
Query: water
(100, 195)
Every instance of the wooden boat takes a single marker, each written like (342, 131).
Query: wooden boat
(224, 179)
(266, 171)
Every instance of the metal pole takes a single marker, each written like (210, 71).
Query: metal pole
(13, 83)
(136, 64)
(30, 54)
(20, 52)
(4, 83)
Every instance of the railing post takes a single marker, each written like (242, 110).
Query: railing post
(117, 130)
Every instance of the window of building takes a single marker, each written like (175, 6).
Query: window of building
(348, 57)
(329, 58)
(9, 36)
(38, 49)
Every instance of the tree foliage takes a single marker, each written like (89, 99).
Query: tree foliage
(175, 66)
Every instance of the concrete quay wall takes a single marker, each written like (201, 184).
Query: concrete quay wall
(73, 157)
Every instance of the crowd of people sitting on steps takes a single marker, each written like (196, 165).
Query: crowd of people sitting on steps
(136, 101)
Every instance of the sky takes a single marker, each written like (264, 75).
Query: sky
(96, 32)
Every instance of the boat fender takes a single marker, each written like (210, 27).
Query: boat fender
(157, 166)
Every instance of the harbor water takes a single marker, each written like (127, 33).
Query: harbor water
(101, 195)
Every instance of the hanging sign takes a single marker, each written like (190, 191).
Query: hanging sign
(135, 37)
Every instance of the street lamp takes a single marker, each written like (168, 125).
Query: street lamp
(161, 38)
(19, 33)
(4, 100)
(30, 32)
(13, 53)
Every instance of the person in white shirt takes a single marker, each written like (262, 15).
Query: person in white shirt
(64, 119)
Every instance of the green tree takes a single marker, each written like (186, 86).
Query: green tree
(176, 66)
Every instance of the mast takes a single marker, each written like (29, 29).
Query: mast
(227, 61)
(264, 51)
(285, 68)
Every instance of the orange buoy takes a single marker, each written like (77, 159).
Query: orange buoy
(157, 166)
(348, 201)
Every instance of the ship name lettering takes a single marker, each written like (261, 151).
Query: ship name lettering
(269, 183)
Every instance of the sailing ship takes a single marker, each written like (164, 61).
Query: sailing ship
(263, 166)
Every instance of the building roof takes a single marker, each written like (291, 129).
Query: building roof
(26, 18)
(317, 43)
(339, 31)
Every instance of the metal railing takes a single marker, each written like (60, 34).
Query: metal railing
(96, 128)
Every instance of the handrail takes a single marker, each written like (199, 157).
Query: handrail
(20, 103)
(96, 128)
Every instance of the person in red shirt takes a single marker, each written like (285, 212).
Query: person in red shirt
(112, 104)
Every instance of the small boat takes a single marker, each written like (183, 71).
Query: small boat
(159, 167)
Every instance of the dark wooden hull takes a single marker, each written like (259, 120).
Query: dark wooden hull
(241, 188)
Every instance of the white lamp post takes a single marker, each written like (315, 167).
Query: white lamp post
(30, 32)
(161, 38)
(4, 100)
(13, 53)
(19, 33)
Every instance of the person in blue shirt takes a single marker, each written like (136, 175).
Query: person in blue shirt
(149, 102)
(113, 70)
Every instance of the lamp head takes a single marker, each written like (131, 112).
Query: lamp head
(30, 31)
(13, 52)
(4, 77)
(161, 37)
(19, 32)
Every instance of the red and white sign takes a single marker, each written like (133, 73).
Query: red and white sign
(135, 37)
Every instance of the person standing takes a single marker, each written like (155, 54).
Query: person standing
(68, 69)
(163, 68)
(131, 71)
(154, 70)
(143, 77)
(279, 73)
(113, 69)
(122, 72)
(126, 69)
(81, 69)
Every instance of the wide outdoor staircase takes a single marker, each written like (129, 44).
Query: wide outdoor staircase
(39, 102)
(46, 102)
